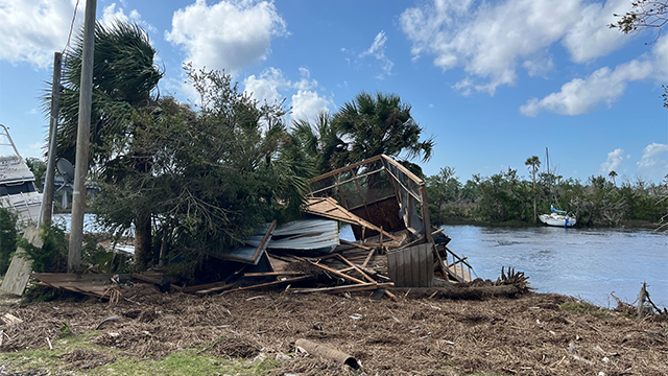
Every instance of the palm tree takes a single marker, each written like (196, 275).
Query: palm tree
(319, 142)
(377, 124)
(124, 79)
(533, 164)
(613, 175)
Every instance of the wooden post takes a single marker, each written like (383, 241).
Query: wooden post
(47, 200)
(83, 139)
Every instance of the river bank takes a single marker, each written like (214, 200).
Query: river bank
(624, 224)
(252, 333)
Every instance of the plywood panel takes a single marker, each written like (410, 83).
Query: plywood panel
(18, 273)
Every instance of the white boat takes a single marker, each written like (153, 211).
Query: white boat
(558, 218)
(17, 182)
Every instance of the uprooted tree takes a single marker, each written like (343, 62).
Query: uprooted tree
(214, 174)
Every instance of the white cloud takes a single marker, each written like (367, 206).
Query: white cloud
(654, 155)
(538, 66)
(603, 86)
(591, 37)
(377, 49)
(272, 85)
(265, 87)
(614, 160)
(110, 14)
(490, 39)
(228, 35)
(33, 29)
(306, 104)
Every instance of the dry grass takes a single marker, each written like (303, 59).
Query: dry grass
(537, 334)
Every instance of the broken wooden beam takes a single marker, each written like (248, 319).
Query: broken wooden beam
(345, 288)
(336, 272)
(270, 284)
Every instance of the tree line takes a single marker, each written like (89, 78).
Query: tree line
(506, 197)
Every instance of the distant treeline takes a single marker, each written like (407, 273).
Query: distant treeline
(506, 197)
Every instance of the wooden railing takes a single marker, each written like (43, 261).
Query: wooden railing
(457, 267)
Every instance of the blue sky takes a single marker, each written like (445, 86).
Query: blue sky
(494, 82)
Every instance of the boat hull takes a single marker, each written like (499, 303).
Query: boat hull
(557, 220)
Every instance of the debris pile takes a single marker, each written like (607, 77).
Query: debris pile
(395, 245)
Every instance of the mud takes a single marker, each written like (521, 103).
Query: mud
(531, 335)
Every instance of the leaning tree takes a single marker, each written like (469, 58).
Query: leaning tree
(125, 79)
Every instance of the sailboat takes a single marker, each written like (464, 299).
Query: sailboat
(556, 217)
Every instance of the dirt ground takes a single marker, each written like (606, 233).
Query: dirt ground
(536, 334)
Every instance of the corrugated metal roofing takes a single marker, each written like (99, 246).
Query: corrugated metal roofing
(303, 235)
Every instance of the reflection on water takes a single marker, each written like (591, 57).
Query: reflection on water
(586, 263)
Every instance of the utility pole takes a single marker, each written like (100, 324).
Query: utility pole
(47, 200)
(83, 139)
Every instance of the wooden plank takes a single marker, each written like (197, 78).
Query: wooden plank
(18, 273)
(403, 169)
(343, 169)
(272, 274)
(328, 207)
(368, 258)
(270, 284)
(336, 272)
(426, 219)
(203, 286)
(364, 247)
(346, 288)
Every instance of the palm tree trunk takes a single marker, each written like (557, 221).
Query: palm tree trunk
(142, 240)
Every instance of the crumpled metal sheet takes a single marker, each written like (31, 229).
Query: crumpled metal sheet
(303, 235)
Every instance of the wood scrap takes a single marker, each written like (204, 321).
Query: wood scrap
(269, 284)
(344, 288)
(10, 319)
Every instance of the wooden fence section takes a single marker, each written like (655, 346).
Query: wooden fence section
(412, 267)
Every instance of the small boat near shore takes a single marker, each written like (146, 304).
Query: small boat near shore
(17, 182)
(558, 218)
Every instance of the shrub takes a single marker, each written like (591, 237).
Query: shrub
(8, 235)
(52, 257)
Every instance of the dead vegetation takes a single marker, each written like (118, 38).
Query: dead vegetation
(535, 334)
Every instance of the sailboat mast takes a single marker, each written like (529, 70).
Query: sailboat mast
(549, 178)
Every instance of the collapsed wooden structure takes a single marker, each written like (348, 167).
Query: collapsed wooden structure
(386, 206)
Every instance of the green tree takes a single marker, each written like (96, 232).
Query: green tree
(8, 233)
(533, 164)
(370, 125)
(124, 79)
(38, 168)
(443, 189)
(215, 175)
(613, 174)
(318, 142)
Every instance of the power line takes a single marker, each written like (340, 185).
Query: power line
(69, 37)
